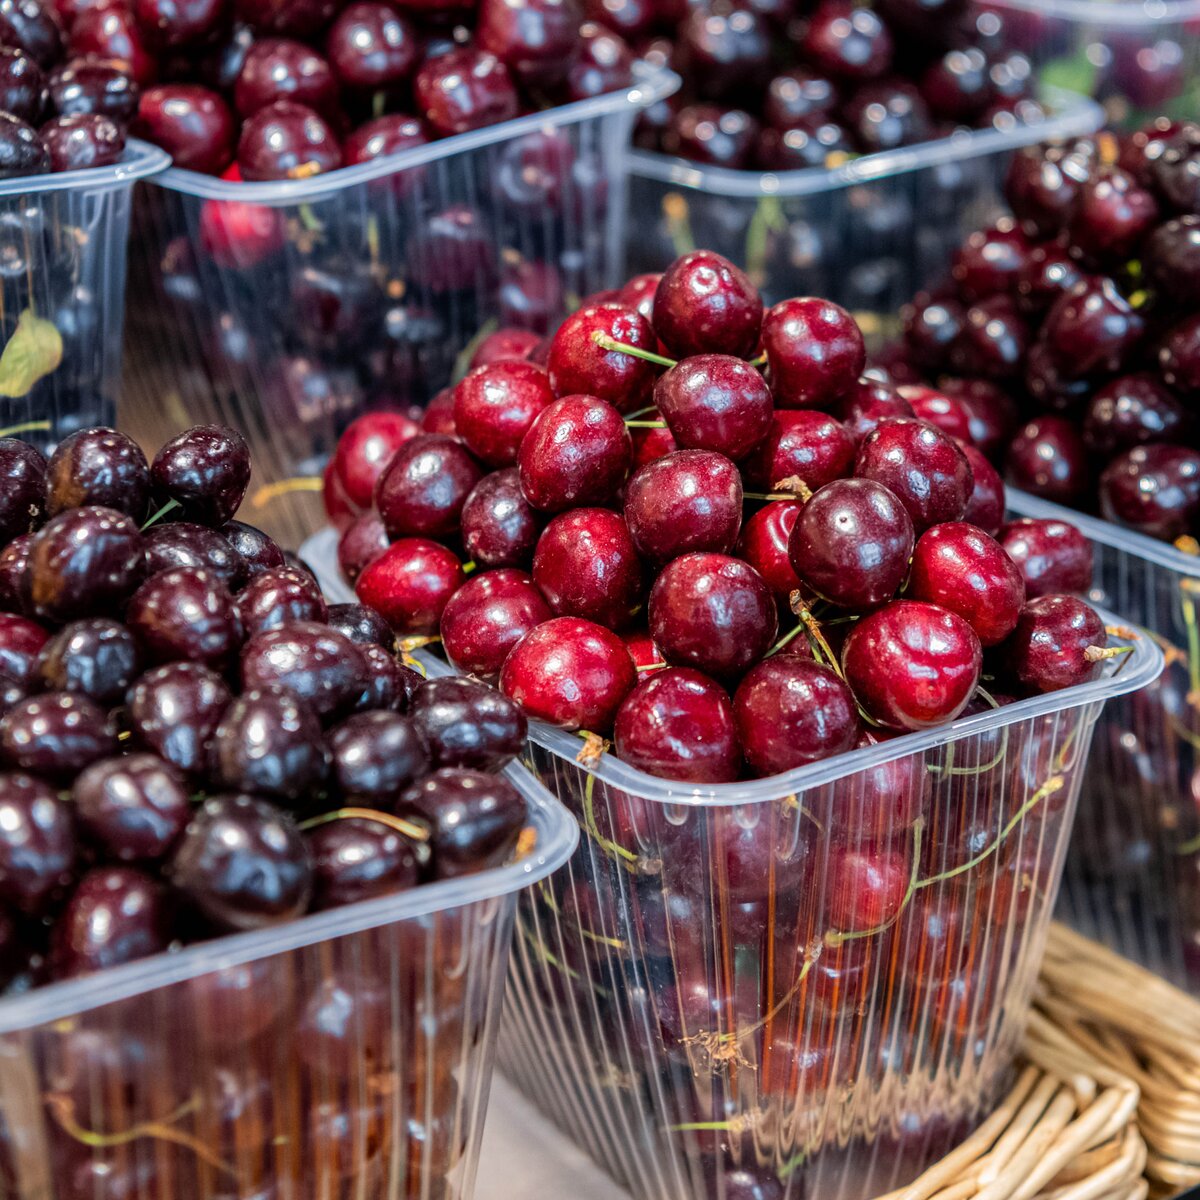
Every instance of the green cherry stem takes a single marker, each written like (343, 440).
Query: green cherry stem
(170, 506)
(607, 343)
(26, 427)
(645, 424)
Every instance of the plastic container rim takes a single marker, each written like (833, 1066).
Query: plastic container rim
(141, 160)
(557, 836)
(650, 85)
(1162, 554)
(1107, 12)
(1072, 115)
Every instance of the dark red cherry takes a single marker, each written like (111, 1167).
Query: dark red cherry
(33, 27)
(989, 262)
(1047, 457)
(852, 542)
(495, 405)
(1172, 259)
(55, 735)
(961, 568)
(801, 443)
(947, 412)
(1042, 187)
(1111, 217)
(708, 133)
(83, 562)
(795, 95)
(580, 364)
(847, 43)
(176, 23)
(956, 86)
(791, 712)
(869, 402)
(465, 89)
(389, 683)
(577, 451)
(410, 584)
(586, 565)
(383, 137)
(365, 449)
(422, 490)
(1048, 650)
(280, 69)
(185, 544)
(362, 625)
(361, 543)
(886, 115)
(486, 618)
(22, 85)
(1173, 171)
(993, 341)
(22, 648)
(866, 887)
(712, 612)
(1091, 329)
(186, 615)
(465, 723)
(706, 305)
(173, 711)
(16, 583)
(95, 657)
(286, 140)
(991, 413)
(206, 470)
(926, 470)
(22, 151)
(1179, 355)
(815, 352)
(912, 665)
(192, 123)
(499, 528)
(715, 402)
(109, 33)
(764, 544)
(372, 46)
(22, 496)
(569, 672)
(322, 667)
(37, 843)
(1047, 273)
(1052, 556)
(1154, 489)
(355, 858)
(678, 724)
(290, 18)
(985, 509)
(1130, 411)
(132, 808)
(505, 345)
(533, 38)
(932, 327)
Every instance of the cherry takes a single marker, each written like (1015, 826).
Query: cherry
(32, 27)
(790, 712)
(132, 808)
(175, 23)
(947, 412)
(286, 140)
(601, 62)
(577, 451)
(586, 565)
(37, 843)
(292, 18)
(375, 755)
(423, 489)
(465, 89)
(795, 95)
(1047, 457)
(851, 543)
(109, 33)
(186, 614)
(1048, 650)
(173, 711)
(956, 86)
(990, 261)
(22, 84)
(55, 735)
(815, 352)
(362, 625)
(365, 448)
(847, 43)
(1154, 489)
(361, 543)
(322, 667)
(994, 339)
(932, 327)
(1111, 217)
(22, 151)
(242, 864)
(206, 470)
(1179, 355)
(95, 657)
(184, 544)
(867, 403)
(115, 915)
(706, 305)
(569, 672)
(192, 123)
(715, 402)
(505, 345)
(389, 683)
(371, 46)
(495, 405)
(873, 805)
(383, 137)
(991, 413)
(912, 665)
(764, 545)
(678, 724)
(355, 859)
(84, 561)
(465, 723)
(1091, 329)
(865, 888)
(487, 616)
(410, 584)
(16, 582)
(985, 509)
(885, 115)
(277, 69)
(475, 818)
(499, 528)
(712, 612)
(580, 364)
(1048, 272)
(639, 293)
(707, 133)
(1130, 411)
(1172, 259)
(23, 474)
(22, 648)
(1173, 171)
(533, 38)
(962, 569)
(1052, 556)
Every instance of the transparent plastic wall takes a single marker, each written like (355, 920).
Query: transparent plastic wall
(345, 1056)
(287, 309)
(63, 242)
(867, 235)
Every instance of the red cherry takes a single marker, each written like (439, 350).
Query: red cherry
(712, 612)
(1048, 649)
(465, 89)
(802, 443)
(410, 584)
(362, 542)
(423, 488)
(504, 345)
(912, 665)
(192, 123)
(641, 646)
(689, 500)
(715, 402)
(1047, 458)
(338, 508)
(874, 805)
(961, 568)
(815, 352)
(499, 528)
(866, 887)
(790, 712)
(948, 413)
(439, 414)
(867, 403)
(649, 445)
(576, 452)
(365, 449)
(1052, 556)
(569, 672)
(678, 724)
(108, 32)
(495, 405)
(487, 617)
(579, 364)
(985, 508)
(586, 565)
(237, 235)
(764, 545)
(705, 305)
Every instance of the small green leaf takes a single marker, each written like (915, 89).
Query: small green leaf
(34, 350)
(1074, 73)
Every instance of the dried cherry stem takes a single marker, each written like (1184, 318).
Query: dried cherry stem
(170, 506)
(285, 487)
(650, 667)
(1095, 654)
(409, 644)
(766, 496)
(795, 487)
(812, 630)
(542, 953)
(410, 829)
(608, 343)
(26, 427)
(598, 938)
(63, 1108)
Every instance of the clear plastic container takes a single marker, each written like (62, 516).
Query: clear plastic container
(63, 240)
(1141, 57)
(867, 234)
(287, 309)
(344, 1055)
(1133, 875)
(822, 976)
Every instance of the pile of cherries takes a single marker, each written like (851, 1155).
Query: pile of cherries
(261, 89)
(697, 527)
(1076, 325)
(841, 78)
(191, 742)
(61, 108)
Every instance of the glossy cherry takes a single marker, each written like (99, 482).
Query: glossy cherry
(706, 305)
(1153, 488)
(410, 584)
(487, 616)
(286, 140)
(465, 89)
(192, 123)
(580, 364)
(815, 352)
(577, 451)
(206, 470)
(173, 711)
(323, 668)
(495, 405)
(1047, 457)
(715, 402)
(1048, 650)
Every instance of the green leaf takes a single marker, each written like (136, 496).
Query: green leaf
(1074, 73)
(34, 350)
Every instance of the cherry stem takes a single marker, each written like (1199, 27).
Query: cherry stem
(469, 566)
(627, 857)
(795, 487)
(170, 506)
(1095, 654)
(26, 427)
(760, 361)
(272, 491)
(783, 641)
(768, 496)
(544, 954)
(608, 343)
(414, 832)
(641, 412)
(645, 424)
